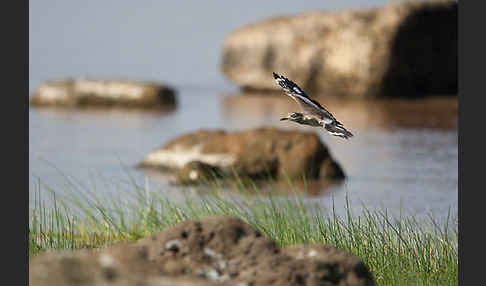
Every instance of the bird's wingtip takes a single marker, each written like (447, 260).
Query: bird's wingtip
(275, 76)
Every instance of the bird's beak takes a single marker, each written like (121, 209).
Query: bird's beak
(284, 118)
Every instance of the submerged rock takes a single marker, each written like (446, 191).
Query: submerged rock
(91, 93)
(403, 49)
(216, 250)
(255, 153)
(197, 172)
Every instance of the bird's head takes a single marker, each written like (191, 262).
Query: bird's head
(292, 116)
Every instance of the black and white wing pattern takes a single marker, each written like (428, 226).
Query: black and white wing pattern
(311, 107)
(307, 104)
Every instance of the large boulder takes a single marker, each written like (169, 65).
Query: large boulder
(403, 49)
(92, 93)
(255, 153)
(216, 250)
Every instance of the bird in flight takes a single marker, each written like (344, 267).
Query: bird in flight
(313, 113)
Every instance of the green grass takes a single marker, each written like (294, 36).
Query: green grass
(399, 251)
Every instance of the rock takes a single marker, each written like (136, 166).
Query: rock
(197, 172)
(90, 93)
(255, 153)
(339, 263)
(216, 250)
(403, 49)
(118, 265)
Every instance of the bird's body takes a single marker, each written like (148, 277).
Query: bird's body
(302, 119)
(312, 112)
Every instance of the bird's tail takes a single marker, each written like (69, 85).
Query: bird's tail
(337, 129)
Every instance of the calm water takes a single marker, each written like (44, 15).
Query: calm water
(404, 153)
(391, 162)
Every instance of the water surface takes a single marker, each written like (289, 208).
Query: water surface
(399, 159)
(404, 153)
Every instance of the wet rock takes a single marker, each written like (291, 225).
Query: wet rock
(403, 49)
(255, 153)
(105, 93)
(215, 250)
(197, 172)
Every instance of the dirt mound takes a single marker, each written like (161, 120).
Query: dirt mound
(216, 250)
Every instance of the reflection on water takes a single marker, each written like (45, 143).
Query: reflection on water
(310, 188)
(403, 157)
(432, 112)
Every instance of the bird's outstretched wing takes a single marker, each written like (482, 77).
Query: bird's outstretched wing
(312, 108)
(308, 105)
(337, 129)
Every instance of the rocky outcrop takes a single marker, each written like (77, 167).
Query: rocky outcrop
(216, 250)
(403, 49)
(255, 153)
(92, 93)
